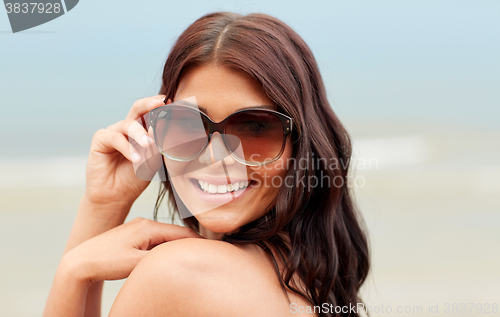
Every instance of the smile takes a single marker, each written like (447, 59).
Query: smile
(222, 189)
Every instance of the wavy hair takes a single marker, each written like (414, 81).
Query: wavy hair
(316, 231)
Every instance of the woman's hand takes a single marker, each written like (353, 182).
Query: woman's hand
(111, 188)
(108, 256)
(111, 180)
(113, 254)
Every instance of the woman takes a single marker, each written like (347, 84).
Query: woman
(255, 246)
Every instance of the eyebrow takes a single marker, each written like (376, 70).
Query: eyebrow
(203, 109)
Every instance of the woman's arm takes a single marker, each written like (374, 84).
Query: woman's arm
(88, 224)
(92, 220)
(111, 189)
(68, 294)
(111, 255)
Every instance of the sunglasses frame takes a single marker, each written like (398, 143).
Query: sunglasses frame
(285, 120)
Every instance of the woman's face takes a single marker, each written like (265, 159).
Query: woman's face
(220, 91)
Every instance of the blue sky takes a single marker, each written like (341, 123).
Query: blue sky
(423, 60)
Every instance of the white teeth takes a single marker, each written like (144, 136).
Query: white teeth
(212, 189)
(222, 189)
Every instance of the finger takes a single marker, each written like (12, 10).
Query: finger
(156, 233)
(143, 106)
(150, 164)
(150, 159)
(133, 129)
(106, 141)
(163, 232)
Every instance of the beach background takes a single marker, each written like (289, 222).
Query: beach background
(415, 83)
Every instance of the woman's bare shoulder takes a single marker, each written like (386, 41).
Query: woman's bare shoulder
(202, 277)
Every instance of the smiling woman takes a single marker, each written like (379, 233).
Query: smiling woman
(264, 236)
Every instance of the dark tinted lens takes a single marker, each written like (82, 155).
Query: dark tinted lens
(255, 136)
(180, 132)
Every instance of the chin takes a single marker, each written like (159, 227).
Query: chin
(220, 221)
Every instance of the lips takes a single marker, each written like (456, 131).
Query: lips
(223, 188)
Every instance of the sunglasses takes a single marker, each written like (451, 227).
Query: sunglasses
(252, 136)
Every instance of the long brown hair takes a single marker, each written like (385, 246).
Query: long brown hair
(316, 230)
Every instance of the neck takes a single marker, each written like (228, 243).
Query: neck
(207, 234)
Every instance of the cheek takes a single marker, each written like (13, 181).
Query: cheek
(175, 169)
(272, 177)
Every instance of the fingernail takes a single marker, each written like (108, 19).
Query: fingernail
(146, 140)
(136, 157)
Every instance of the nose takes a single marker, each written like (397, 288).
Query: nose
(216, 151)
